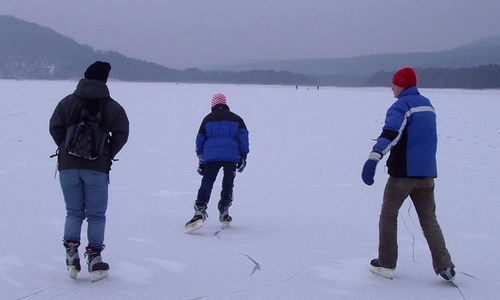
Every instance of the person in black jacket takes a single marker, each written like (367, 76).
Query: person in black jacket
(84, 182)
(221, 142)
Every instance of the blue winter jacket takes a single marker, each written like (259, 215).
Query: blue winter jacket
(223, 136)
(411, 136)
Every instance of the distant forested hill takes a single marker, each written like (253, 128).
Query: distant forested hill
(481, 77)
(30, 51)
(358, 71)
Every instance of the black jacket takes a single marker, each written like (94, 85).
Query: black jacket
(67, 113)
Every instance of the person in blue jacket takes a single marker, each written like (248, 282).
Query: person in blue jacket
(410, 134)
(221, 142)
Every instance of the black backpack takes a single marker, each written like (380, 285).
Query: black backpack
(86, 139)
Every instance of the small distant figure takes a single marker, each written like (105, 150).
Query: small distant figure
(296, 87)
(221, 142)
(410, 134)
(318, 87)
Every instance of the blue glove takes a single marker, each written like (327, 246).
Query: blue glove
(241, 165)
(369, 168)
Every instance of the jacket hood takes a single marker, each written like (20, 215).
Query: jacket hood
(91, 89)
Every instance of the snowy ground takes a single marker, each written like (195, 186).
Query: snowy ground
(305, 225)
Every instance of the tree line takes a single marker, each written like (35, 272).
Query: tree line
(49, 67)
(29, 51)
(480, 77)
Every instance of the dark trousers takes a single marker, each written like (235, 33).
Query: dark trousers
(421, 192)
(207, 182)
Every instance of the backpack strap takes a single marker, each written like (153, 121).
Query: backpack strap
(90, 108)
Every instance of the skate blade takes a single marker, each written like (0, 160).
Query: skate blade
(225, 224)
(384, 272)
(193, 226)
(452, 281)
(73, 272)
(98, 275)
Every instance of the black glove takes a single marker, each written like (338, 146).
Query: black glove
(242, 164)
(201, 166)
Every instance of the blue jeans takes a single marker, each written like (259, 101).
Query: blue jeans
(86, 197)
(207, 183)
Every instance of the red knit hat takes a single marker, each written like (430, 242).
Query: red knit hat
(405, 77)
(218, 99)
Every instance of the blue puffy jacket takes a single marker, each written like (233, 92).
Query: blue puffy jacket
(223, 136)
(411, 136)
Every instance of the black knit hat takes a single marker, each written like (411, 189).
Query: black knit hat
(98, 71)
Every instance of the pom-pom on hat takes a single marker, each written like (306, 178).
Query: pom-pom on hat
(98, 71)
(218, 99)
(405, 77)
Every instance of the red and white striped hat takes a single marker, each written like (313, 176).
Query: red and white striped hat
(218, 99)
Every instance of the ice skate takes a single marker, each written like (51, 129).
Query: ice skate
(72, 258)
(200, 215)
(97, 268)
(448, 274)
(225, 219)
(379, 270)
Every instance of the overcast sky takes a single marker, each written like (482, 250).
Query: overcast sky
(197, 33)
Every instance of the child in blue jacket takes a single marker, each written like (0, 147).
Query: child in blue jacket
(221, 142)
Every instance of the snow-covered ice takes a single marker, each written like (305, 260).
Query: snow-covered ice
(304, 224)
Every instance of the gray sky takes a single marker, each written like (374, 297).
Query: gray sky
(196, 33)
